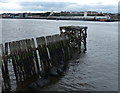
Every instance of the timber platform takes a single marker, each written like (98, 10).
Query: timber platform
(43, 57)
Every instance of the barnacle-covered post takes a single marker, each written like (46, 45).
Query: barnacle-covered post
(77, 35)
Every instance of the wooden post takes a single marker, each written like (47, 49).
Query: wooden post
(84, 38)
(29, 59)
(16, 57)
(79, 40)
(51, 49)
(43, 53)
(13, 60)
(35, 55)
(59, 48)
(5, 72)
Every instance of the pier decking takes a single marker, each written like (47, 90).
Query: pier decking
(42, 56)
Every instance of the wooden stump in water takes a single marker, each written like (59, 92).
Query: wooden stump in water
(5, 71)
(43, 53)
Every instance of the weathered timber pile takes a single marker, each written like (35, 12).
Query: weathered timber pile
(43, 56)
(77, 35)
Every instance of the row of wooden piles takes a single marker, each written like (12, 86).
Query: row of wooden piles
(33, 56)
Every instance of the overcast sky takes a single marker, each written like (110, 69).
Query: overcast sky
(58, 5)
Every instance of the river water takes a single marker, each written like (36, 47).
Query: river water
(96, 70)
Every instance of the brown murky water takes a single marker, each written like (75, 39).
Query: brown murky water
(96, 70)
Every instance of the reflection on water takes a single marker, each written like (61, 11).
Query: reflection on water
(95, 70)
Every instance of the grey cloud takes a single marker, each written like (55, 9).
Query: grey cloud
(44, 6)
(64, 6)
(97, 7)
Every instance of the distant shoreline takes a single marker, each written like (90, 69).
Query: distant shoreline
(76, 19)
